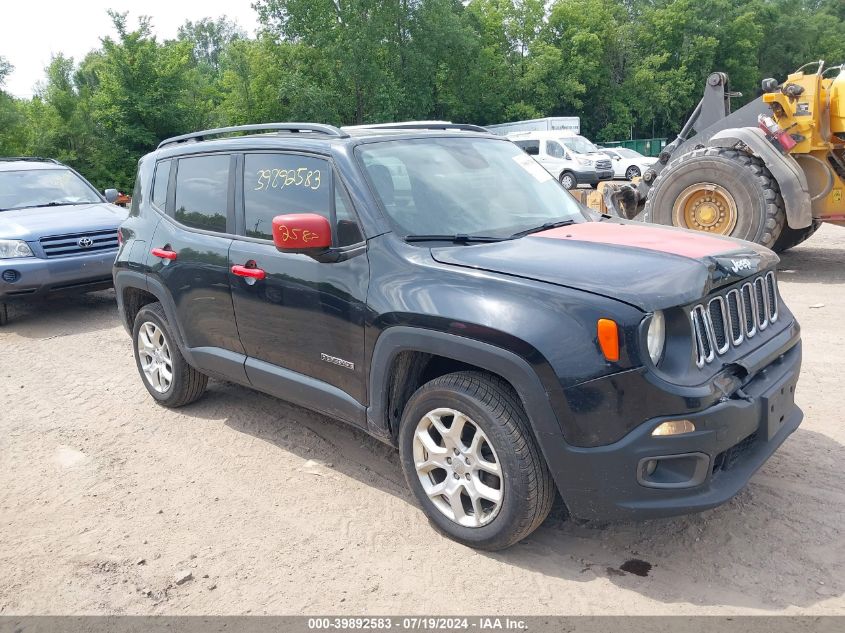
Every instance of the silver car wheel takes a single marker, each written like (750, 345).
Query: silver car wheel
(154, 354)
(568, 181)
(458, 467)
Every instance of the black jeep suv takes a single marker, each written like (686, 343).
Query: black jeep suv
(434, 286)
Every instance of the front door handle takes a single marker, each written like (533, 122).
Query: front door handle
(164, 253)
(250, 272)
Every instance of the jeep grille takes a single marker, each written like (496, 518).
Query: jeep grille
(729, 319)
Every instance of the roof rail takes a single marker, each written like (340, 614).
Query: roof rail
(318, 128)
(29, 158)
(420, 125)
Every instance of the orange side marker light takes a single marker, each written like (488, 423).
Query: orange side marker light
(608, 333)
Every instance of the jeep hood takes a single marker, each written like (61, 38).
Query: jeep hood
(648, 266)
(35, 223)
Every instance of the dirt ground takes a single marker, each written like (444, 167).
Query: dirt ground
(109, 502)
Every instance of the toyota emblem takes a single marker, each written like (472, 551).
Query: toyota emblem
(85, 242)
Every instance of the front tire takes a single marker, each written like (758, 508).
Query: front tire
(568, 180)
(721, 191)
(164, 371)
(471, 460)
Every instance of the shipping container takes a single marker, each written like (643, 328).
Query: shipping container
(570, 123)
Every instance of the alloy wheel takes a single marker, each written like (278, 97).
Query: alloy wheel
(458, 468)
(154, 354)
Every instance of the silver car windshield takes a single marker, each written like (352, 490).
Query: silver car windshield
(43, 187)
(468, 186)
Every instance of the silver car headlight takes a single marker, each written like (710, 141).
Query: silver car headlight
(656, 336)
(14, 248)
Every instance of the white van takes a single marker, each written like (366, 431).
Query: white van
(569, 157)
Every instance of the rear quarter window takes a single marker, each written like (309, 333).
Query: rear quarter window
(160, 180)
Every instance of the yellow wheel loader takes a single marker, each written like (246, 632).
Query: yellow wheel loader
(770, 172)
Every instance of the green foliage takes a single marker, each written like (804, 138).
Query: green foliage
(624, 66)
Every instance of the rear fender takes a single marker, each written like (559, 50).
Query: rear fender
(124, 279)
(785, 169)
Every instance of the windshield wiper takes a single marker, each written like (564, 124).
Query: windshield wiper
(458, 238)
(46, 204)
(544, 227)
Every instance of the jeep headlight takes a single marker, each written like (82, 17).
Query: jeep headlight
(14, 248)
(656, 336)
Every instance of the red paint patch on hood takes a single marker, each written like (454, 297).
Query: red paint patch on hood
(654, 238)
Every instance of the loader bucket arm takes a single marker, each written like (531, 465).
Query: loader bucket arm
(711, 116)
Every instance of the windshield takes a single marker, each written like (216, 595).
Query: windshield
(41, 187)
(629, 153)
(579, 145)
(466, 186)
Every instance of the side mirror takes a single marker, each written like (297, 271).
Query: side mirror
(111, 195)
(302, 232)
(617, 158)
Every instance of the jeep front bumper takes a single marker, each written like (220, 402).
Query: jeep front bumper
(689, 472)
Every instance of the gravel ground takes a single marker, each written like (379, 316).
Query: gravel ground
(244, 504)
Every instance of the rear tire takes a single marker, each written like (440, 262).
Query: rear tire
(760, 215)
(489, 409)
(632, 172)
(164, 371)
(793, 237)
(4, 314)
(568, 180)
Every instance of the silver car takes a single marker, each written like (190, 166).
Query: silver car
(57, 232)
(627, 163)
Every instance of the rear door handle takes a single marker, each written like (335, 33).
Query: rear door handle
(164, 253)
(248, 272)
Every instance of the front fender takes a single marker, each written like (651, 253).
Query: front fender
(513, 368)
(786, 170)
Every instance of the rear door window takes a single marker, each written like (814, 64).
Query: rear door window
(202, 187)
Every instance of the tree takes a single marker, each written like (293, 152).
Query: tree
(209, 38)
(12, 120)
(6, 69)
(623, 66)
(142, 94)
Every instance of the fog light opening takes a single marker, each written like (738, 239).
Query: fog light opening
(673, 427)
(650, 467)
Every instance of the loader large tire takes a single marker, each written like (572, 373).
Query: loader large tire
(719, 190)
(793, 237)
